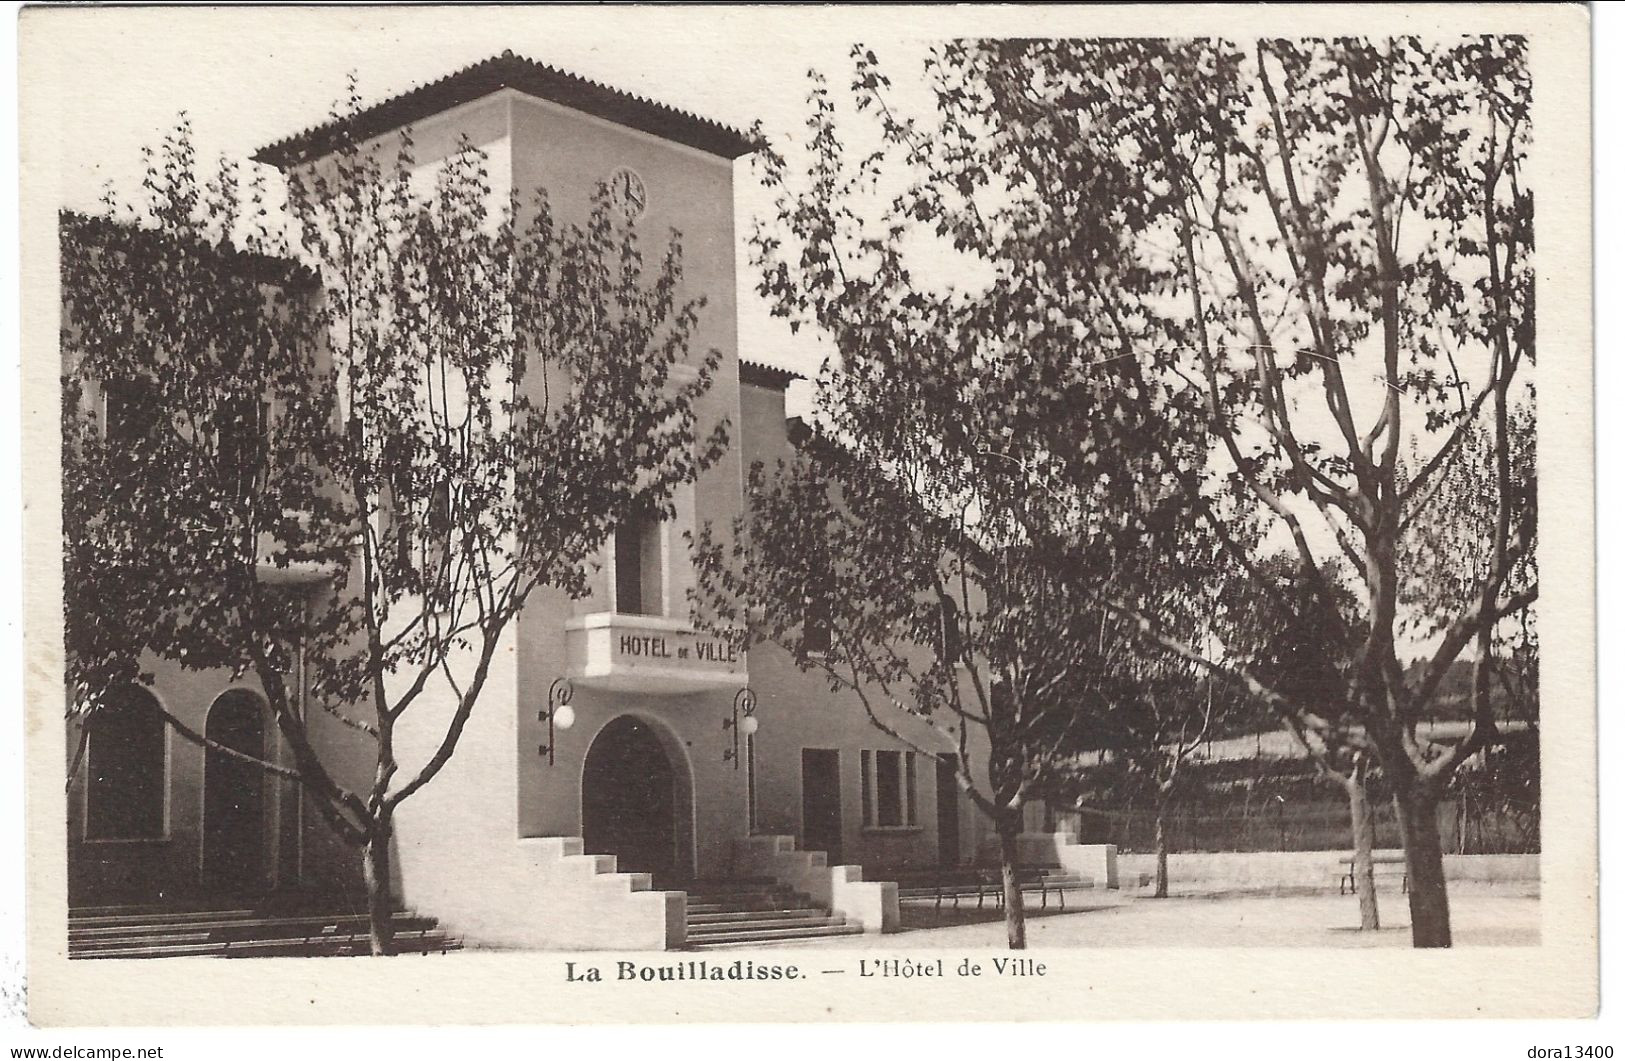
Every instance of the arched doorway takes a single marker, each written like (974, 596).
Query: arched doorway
(234, 796)
(635, 802)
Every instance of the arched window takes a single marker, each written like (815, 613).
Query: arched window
(127, 768)
(235, 795)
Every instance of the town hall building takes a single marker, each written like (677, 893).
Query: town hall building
(620, 763)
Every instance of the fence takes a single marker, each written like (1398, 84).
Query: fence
(1502, 825)
(1465, 827)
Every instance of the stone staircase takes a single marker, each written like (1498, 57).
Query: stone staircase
(754, 911)
(260, 930)
(871, 904)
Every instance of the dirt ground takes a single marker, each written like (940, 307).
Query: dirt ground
(1481, 915)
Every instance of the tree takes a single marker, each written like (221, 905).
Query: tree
(1289, 644)
(372, 461)
(1164, 726)
(979, 463)
(909, 611)
(1333, 212)
(1315, 254)
(1156, 708)
(176, 341)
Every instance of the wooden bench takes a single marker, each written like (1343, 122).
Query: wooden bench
(319, 945)
(988, 885)
(1381, 865)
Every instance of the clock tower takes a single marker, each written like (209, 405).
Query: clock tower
(619, 758)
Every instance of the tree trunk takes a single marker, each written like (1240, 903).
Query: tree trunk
(1424, 865)
(1015, 915)
(1360, 823)
(380, 899)
(1162, 857)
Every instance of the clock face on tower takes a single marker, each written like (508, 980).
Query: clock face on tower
(627, 194)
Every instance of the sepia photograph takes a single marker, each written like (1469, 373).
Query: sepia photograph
(822, 505)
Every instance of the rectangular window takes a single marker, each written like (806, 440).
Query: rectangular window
(815, 624)
(628, 568)
(889, 790)
(129, 409)
(815, 636)
(639, 567)
(439, 523)
(908, 789)
(866, 762)
(949, 644)
(421, 528)
(240, 439)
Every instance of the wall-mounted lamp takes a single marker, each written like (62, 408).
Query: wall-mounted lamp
(558, 716)
(743, 720)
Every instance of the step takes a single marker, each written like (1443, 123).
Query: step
(289, 903)
(833, 925)
(233, 939)
(740, 908)
(767, 903)
(743, 891)
(704, 884)
(178, 908)
(310, 931)
(588, 866)
(756, 911)
(247, 924)
(204, 939)
(786, 895)
(279, 928)
(756, 937)
(773, 924)
(322, 944)
(406, 942)
(726, 916)
(76, 919)
(78, 946)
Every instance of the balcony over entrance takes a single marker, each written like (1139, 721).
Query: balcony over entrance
(649, 654)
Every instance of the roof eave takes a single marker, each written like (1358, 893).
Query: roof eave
(755, 372)
(523, 75)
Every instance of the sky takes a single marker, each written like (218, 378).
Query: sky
(114, 80)
(247, 78)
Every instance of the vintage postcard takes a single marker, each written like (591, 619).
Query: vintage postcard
(599, 514)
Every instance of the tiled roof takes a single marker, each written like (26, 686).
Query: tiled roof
(107, 232)
(766, 375)
(532, 78)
